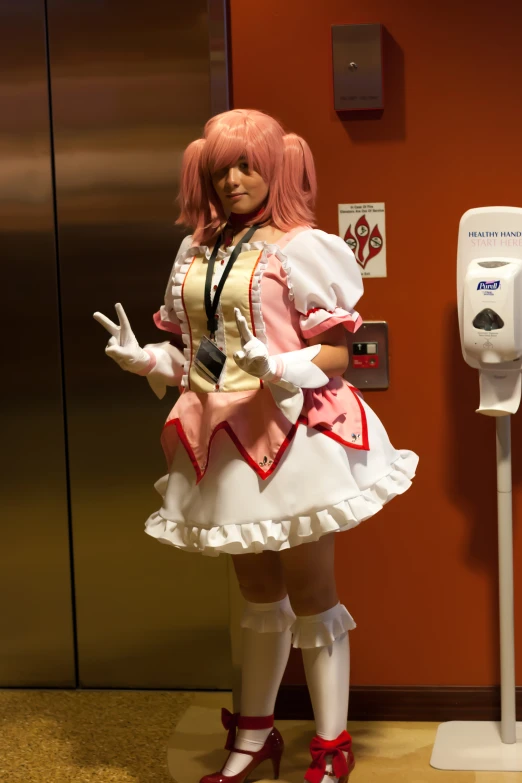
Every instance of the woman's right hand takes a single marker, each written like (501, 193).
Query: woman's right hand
(123, 346)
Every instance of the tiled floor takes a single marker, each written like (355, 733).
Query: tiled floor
(52, 736)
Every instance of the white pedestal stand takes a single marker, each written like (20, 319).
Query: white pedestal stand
(488, 745)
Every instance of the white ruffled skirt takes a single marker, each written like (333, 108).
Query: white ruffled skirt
(319, 487)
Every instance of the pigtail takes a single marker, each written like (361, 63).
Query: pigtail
(191, 199)
(299, 182)
(299, 168)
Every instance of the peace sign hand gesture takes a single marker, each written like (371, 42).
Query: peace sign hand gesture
(123, 346)
(254, 357)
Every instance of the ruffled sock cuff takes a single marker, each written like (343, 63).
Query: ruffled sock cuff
(320, 630)
(268, 618)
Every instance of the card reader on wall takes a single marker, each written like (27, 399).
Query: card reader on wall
(368, 347)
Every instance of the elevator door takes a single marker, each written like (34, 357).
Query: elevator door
(36, 609)
(130, 85)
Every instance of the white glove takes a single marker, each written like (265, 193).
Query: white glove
(167, 369)
(286, 373)
(254, 357)
(162, 363)
(123, 346)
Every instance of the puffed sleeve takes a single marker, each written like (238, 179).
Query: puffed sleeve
(324, 282)
(166, 318)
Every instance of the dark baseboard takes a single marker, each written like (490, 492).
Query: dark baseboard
(402, 703)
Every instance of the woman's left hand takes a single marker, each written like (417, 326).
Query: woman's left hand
(254, 357)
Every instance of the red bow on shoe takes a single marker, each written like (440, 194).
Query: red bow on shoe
(321, 748)
(229, 722)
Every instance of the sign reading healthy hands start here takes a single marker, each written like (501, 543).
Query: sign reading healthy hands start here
(362, 228)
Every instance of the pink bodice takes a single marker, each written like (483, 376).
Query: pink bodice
(245, 408)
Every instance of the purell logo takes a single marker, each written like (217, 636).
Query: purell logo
(494, 285)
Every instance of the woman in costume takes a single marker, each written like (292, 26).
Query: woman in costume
(270, 451)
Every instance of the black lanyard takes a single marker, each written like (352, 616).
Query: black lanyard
(211, 305)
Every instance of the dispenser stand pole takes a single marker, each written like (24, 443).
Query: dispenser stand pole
(505, 564)
(489, 745)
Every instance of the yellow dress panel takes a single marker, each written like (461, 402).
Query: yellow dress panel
(236, 293)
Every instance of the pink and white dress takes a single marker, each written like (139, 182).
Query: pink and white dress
(241, 477)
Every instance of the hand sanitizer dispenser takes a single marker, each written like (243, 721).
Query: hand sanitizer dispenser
(489, 289)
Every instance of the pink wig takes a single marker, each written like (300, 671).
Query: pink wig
(284, 162)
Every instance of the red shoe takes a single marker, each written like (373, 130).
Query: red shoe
(321, 748)
(272, 749)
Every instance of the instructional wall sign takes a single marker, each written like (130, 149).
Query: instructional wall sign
(362, 228)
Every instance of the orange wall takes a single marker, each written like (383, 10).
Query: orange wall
(420, 578)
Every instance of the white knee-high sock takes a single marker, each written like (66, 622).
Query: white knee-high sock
(327, 672)
(325, 647)
(265, 651)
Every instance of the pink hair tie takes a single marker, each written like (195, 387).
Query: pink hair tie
(151, 365)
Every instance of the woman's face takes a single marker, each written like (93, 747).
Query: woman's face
(239, 188)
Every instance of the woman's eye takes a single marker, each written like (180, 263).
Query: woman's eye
(243, 165)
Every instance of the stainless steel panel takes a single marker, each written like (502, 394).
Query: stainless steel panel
(218, 26)
(369, 362)
(131, 88)
(357, 66)
(36, 642)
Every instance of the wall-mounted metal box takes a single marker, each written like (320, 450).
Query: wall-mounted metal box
(357, 66)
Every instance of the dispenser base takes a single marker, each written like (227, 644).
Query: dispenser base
(476, 745)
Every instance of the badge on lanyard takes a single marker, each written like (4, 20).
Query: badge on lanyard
(210, 360)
